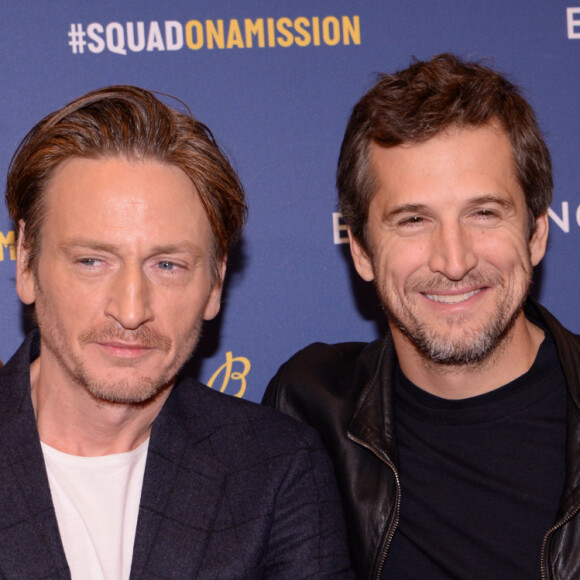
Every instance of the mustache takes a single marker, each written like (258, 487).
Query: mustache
(143, 336)
(440, 282)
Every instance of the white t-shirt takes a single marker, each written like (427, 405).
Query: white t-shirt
(97, 503)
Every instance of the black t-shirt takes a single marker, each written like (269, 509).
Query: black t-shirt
(481, 478)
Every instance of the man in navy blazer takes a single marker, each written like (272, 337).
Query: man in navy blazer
(112, 465)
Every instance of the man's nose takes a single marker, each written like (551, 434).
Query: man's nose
(452, 252)
(129, 300)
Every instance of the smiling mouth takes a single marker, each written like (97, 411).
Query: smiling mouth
(451, 298)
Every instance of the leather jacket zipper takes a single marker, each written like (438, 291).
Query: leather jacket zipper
(391, 531)
(555, 527)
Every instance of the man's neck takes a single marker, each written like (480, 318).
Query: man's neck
(71, 420)
(511, 359)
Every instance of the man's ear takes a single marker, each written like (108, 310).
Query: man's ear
(539, 240)
(361, 259)
(25, 282)
(213, 304)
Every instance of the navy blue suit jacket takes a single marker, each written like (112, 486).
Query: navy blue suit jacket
(232, 490)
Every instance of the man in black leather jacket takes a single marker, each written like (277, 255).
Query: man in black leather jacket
(456, 438)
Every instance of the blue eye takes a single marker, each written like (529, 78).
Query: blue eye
(167, 265)
(88, 262)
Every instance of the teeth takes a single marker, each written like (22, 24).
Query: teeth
(451, 299)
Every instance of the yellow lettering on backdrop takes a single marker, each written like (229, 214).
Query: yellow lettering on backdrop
(234, 35)
(215, 33)
(8, 241)
(198, 42)
(316, 30)
(230, 374)
(254, 29)
(331, 31)
(283, 26)
(301, 26)
(351, 30)
(271, 35)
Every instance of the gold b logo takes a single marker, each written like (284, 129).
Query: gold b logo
(230, 374)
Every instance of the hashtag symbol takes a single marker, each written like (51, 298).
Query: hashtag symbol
(77, 38)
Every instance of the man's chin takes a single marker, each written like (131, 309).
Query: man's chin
(456, 345)
(126, 397)
(453, 355)
(460, 346)
(135, 390)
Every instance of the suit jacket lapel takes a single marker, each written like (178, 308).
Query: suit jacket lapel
(30, 544)
(182, 489)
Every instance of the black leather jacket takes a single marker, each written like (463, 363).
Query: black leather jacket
(344, 390)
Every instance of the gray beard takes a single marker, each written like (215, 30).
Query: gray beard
(474, 348)
(471, 351)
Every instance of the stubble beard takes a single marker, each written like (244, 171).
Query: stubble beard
(119, 390)
(142, 389)
(475, 345)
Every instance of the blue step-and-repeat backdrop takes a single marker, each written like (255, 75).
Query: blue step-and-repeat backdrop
(275, 81)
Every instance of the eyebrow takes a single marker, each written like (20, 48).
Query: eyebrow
(100, 246)
(89, 244)
(492, 198)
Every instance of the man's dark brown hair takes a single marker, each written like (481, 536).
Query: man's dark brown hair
(428, 98)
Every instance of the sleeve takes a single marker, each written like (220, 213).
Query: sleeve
(301, 386)
(308, 538)
(277, 395)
